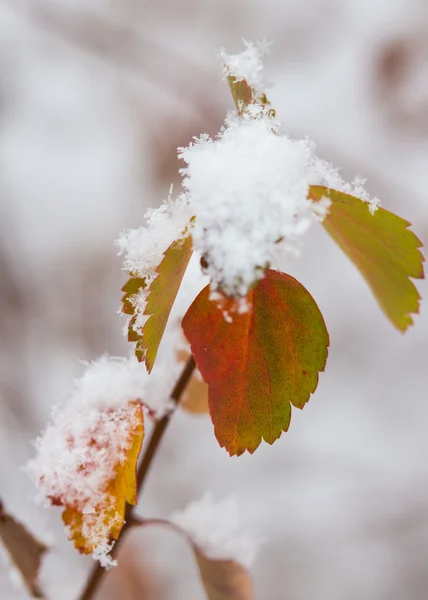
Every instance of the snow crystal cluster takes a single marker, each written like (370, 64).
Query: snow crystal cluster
(215, 528)
(248, 190)
(247, 65)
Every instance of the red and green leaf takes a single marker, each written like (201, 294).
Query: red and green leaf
(161, 294)
(382, 247)
(260, 362)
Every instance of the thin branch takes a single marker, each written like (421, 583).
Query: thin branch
(24, 549)
(98, 571)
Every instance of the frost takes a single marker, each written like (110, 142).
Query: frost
(215, 529)
(247, 65)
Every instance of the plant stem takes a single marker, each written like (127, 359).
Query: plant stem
(98, 572)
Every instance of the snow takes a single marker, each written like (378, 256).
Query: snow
(247, 65)
(215, 528)
(144, 247)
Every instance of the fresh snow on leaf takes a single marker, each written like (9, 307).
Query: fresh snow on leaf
(144, 247)
(150, 307)
(84, 448)
(215, 528)
(156, 256)
(249, 190)
(247, 65)
(95, 521)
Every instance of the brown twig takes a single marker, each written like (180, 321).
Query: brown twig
(24, 549)
(98, 571)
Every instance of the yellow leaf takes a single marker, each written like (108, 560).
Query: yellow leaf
(160, 297)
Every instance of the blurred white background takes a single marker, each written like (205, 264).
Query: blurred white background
(94, 99)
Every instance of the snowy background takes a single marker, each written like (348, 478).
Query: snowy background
(94, 99)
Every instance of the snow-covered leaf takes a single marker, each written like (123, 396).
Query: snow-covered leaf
(132, 287)
(24, 549)
(382, 247)
(94, 524)
(86, 458)
(246, 68)
(154, 302)
(223, 552)
(249, 191)
(257, 361)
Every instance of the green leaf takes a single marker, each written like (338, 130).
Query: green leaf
(132, 287)
(382, 247)
(242, 93)
(161, 294)
(258, 362)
